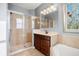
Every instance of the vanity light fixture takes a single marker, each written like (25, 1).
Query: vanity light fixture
(54, 7)
(42, 12)
(49, 9)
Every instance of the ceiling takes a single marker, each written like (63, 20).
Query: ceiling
(27, 5)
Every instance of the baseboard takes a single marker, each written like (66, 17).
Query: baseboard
(21, 50)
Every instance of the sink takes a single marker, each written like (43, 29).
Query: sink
(45, 33)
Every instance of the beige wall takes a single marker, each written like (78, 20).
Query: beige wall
(70, 40)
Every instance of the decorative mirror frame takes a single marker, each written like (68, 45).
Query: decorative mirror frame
(66, 15)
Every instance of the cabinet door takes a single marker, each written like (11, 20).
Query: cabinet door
(37, 42)
(45, 47)
(45, 43)
(45, 51)
(42, 43)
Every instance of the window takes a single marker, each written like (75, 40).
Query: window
(19, 23)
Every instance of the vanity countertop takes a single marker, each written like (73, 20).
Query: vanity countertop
(43, 33)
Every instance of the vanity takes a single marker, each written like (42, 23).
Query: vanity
(44, 35)
(44, 42)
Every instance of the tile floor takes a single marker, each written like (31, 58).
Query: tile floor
(29, 52)
(19, 46)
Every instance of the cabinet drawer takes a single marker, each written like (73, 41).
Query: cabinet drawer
(45, 37)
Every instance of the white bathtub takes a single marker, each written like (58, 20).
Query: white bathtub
(63, 50)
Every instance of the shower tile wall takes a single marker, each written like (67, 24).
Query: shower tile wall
(20, 38)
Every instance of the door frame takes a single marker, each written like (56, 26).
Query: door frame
(8, 43)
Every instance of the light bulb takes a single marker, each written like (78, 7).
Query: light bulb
(48, 10)
(53, 7)
(42, 12)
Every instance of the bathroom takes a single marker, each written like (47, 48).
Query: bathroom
(40, 29)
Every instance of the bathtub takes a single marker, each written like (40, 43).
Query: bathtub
(64, 50)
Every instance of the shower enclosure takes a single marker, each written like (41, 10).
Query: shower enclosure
(20, 31)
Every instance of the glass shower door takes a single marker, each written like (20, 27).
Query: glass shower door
(16, 31)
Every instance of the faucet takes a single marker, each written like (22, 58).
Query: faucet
(46, 32)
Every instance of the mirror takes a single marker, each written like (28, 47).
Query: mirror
(47, 21)
(48, 16)
(36, 23)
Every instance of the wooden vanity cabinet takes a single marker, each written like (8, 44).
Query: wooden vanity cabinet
(42, 43)
(37, 42)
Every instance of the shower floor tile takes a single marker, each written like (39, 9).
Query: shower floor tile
(29, 52)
